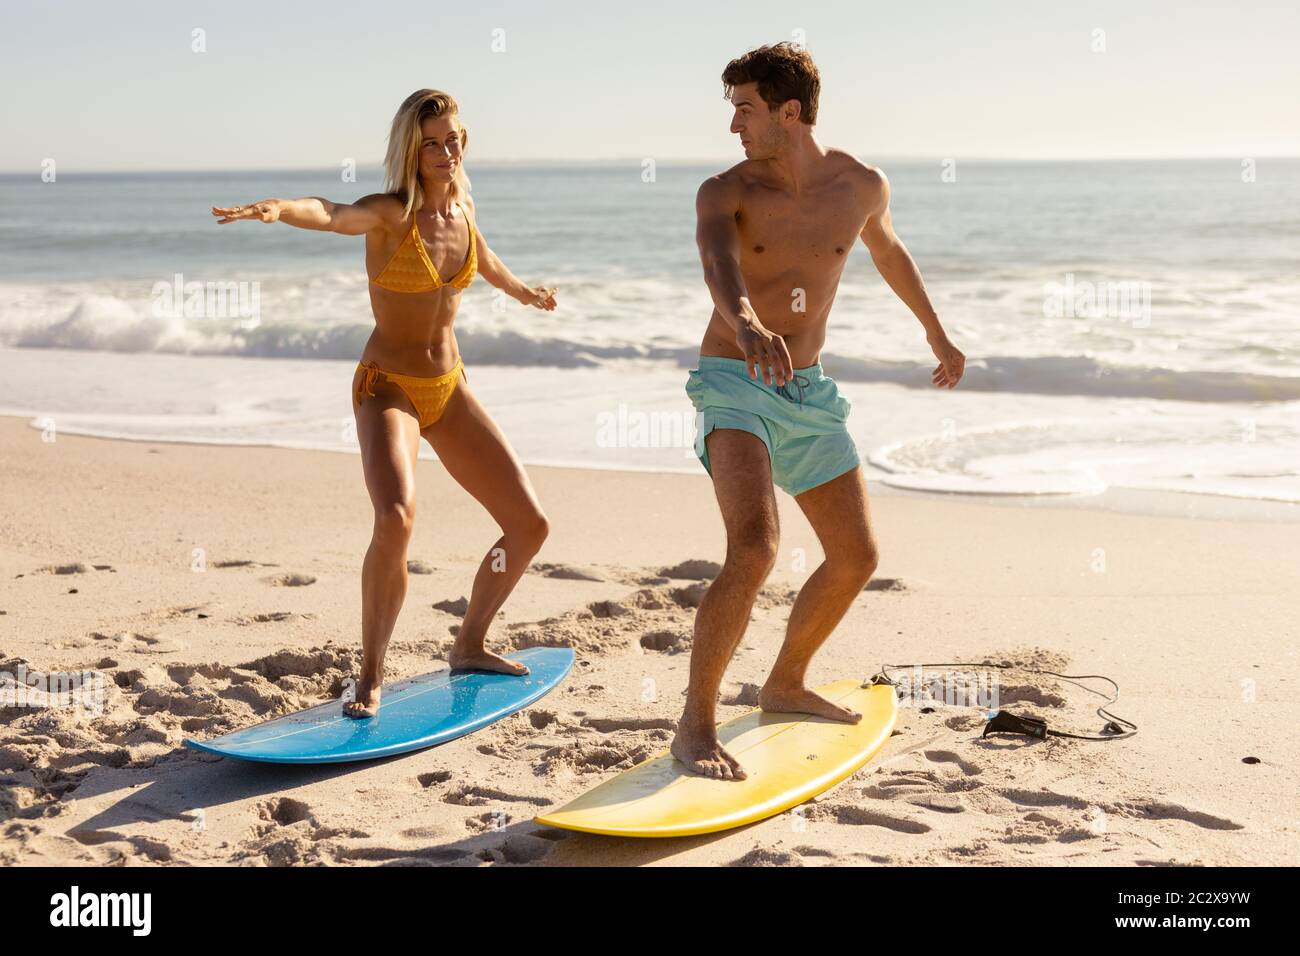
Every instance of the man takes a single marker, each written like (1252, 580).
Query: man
(774, 233)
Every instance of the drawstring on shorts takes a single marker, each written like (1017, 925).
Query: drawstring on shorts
(799, 382)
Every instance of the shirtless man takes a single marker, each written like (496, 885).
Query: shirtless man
(774, 233)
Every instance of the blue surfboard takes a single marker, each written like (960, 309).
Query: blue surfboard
(413, 714)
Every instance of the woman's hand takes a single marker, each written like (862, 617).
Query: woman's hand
(268, 210)
(540, 298)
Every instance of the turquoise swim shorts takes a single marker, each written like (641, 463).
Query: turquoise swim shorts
(802, 423)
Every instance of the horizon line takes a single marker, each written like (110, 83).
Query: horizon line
(723, 162)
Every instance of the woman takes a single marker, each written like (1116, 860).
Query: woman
(410, 383)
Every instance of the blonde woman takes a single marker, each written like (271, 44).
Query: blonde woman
(423, 248)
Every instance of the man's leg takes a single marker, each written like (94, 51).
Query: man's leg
(742, 481)
(837, 511)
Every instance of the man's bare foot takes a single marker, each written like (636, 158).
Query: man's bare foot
(800, 700)
(366, 702)
(702, 753)
(481, 659)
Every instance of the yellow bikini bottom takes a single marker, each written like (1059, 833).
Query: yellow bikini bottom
(428, 395)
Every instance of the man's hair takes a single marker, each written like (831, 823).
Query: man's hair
(783, 72)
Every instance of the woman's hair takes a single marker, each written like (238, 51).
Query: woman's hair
(402, 162)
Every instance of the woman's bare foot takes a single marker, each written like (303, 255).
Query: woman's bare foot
(481, 659)
(800, 700)
(366, 702)
(702, 753)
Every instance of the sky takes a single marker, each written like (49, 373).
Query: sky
(113, 86)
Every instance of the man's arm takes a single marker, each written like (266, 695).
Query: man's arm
(716, 206)
(892, 260)
(898, 269)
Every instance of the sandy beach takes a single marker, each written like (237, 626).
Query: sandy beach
(215, 587)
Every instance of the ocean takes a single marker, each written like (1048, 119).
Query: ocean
(1127, 325)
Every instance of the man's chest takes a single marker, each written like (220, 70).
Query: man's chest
(779, 231)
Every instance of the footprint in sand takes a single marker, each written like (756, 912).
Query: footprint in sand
(689, 596)
(155, 851)
(886, 584)
(853, 815)
(131, 642)
(765, 856)
(740, 695)
(606, 725)
(1036, 817)
(1028, 694)
(316, 662)
(541, 719)
(433, 778)
(1172, 811)
(75, 567)
(566, 572)
(903, 784)
(595, 757)
(486, 822)
(285, 811)
(947, 756)
(268, 617)
(290, 580)
(942, 803)
(401, 856)
(470, 795)
(604, 609)
(1044, 798)
(772, 597)
(457, 607)
(806, 850)
(694, 569)
(518, 848)
(665, 642)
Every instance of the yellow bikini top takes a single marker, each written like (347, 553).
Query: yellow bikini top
(411, 269)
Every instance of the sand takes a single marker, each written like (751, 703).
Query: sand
(212, 587)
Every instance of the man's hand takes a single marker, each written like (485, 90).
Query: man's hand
(764, 352)
(951, 362)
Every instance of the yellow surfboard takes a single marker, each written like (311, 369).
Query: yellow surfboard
(789, 758)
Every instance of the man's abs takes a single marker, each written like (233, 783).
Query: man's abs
(792, 254)
(796, 308)
(804, 343)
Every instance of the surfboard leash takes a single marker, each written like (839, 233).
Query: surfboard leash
(1006, 722)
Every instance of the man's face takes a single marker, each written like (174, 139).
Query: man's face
(440, 147)
(761, 134)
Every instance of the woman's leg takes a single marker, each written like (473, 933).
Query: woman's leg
(477, 455)
(389, 436)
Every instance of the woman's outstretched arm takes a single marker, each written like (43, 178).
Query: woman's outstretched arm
(314, 212)
(492, 269)
(495, 272)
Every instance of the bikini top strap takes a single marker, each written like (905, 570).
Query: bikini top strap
(473, 226)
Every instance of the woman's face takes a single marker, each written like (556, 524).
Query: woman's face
(441, 147)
